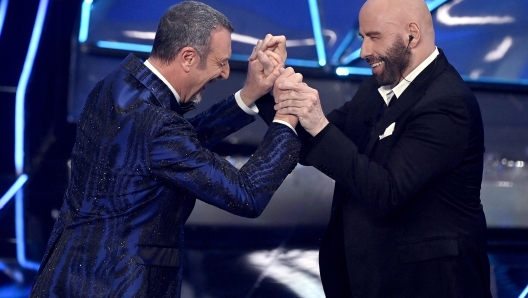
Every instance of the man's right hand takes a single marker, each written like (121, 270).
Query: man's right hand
(267, 58)
(286, 75)
(274, 44)
(295, 98)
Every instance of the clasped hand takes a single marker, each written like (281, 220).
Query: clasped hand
(295, 101)
(268, 56)
(294, 97)
(287, 75)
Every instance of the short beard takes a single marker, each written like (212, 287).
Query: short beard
(196, 98)
(396, 62)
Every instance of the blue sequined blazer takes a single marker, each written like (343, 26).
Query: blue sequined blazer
(137, 168)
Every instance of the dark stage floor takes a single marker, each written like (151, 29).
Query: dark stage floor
(276, 255)
(257, 263)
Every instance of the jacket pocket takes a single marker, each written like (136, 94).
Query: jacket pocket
(157, 256)
(427, 249)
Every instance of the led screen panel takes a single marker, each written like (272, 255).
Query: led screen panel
(483, 39)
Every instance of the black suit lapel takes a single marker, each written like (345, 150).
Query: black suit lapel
(408, 98)
(371, 112)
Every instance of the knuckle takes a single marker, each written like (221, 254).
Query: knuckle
(300, 77)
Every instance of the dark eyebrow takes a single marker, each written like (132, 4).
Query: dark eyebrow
(373, 34)
(370, 34)
(222, 59)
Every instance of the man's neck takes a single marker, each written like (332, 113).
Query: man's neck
(405, 82)
(161, 72)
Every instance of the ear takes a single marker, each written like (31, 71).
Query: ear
(188, 57)
(413, 31)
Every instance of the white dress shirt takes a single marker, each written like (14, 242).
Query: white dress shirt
(387, 93)
(250, 110)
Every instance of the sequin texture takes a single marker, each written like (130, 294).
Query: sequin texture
(137, 168)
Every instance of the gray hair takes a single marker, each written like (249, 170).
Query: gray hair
(187, 24)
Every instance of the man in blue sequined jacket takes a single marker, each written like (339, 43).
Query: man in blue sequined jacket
(138, 165)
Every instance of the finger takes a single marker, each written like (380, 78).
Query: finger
(275, 58)
(272, 42)
(257, 66)
(278, 44)
(292, 85)
(287, 103)
(290, 98)
(266, 63)
(296, 78)
(275, 41)
(266, 41)
(288, 111)
(294, 81)
(287, 72)
(256, 49)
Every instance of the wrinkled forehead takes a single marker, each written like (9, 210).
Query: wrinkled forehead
(221, 43)
(377, 15)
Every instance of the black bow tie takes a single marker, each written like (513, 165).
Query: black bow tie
(186, 107)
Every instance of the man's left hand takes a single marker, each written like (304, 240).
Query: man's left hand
(301, 100)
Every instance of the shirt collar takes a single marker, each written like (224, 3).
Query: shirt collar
(162, 78)
(387, 93)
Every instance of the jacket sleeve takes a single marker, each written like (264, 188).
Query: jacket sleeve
(433, 141)
(219, 121)
(178, 157)
(267, 112)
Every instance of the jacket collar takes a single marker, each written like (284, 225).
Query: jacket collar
(414, 92)
(150, 81)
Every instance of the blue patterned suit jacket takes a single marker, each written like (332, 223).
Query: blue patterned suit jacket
(137, 168)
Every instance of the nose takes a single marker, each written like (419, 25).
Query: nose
(365, 49)
(225, 71)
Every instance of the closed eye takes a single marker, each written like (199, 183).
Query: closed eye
(223, 63)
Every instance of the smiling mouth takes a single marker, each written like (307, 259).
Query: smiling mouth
(374, 65)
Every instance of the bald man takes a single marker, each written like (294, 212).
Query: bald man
(406, 155)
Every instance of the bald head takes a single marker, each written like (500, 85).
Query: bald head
(406, 17)
(387, 24)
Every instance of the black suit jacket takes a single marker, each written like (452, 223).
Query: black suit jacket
(406, 217)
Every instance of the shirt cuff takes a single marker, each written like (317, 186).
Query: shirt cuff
(285, 123)
(251, 110)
